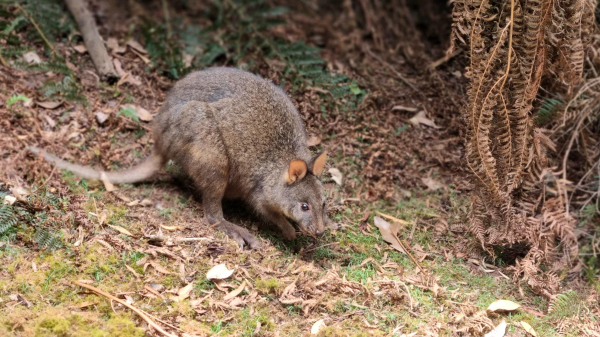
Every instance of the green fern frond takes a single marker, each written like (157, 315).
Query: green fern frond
(67, 89)
(10, 51)
(47, 239)
(566, 305)
(54, 66)
(10, 27)
(16, 98)
(8, 219)
(547, 111)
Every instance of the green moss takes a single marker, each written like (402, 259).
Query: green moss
(268, 286)
(53, 327)
(123, 327)
(116, 214)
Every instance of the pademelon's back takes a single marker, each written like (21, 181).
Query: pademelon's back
(256, 119)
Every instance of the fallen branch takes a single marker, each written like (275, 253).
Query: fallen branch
(93, 41)
(136, 310)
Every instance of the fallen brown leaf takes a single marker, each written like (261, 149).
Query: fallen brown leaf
(431, 184)
(317, 326)
(420, 118)
(528, 329)
(137, 46)
(235, 292)
(389, 232)
(499, 331)
(121, 230)
(503, 305)
(31, 58)
(219, 272)
(49, 105)
(81, 49)
(184, 292)
(313, 140)
(336, 175)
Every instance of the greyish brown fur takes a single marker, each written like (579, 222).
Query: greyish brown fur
(237, 136)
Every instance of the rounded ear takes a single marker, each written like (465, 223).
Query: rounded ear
(296, 171)
(318, 163)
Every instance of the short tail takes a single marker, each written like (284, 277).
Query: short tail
(142, 172)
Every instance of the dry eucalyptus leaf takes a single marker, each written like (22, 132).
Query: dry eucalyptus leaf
(528, 329)
(420, 118)
(171, 228)
(313, 140)
(158, 268)
(101, 117)
(184, 292)
(388, 232)
(107, 184)
(432, 184)
(404, 108)
(118, 67)
(503, 305)
(143, 114)
(219, 272)
(113, 44)
(121, 230)
(137, 46)
(235, 292)
(31, 58)
(320, 324)
(146, 202)
(81, 49)
(498, 331)
(9, 200)
(187, 60)
(49, 105)
(336, 175)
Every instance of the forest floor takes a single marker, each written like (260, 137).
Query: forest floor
(393, 134)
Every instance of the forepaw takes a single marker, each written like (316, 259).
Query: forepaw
(288, 233)
(241, 235)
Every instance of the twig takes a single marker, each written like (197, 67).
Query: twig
(93, 41)
(191, 239)
(2, 60)
(30, 19)
(409, 254)
(445, 59)
(389, 66)
(136, 310)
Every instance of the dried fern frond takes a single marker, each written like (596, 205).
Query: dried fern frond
(513, 46)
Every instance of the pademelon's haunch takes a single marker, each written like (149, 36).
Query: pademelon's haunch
(237, 136)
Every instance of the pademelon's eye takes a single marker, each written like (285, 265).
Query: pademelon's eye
(304, 207)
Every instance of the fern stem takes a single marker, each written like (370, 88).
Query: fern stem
(167, 18)
(510, 37)
(28, 17)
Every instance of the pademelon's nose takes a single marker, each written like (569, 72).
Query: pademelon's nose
(319, 232)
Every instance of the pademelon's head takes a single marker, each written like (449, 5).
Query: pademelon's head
(302, 199)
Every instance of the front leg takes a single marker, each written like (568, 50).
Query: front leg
(212, 184)
(288, 231)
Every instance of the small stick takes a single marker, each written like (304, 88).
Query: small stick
(136, 310)
(445, 59)
(93, 41)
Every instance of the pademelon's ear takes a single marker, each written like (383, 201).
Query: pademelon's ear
(318, 163)
(296, 171)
